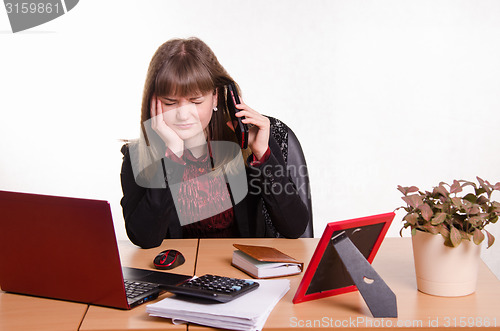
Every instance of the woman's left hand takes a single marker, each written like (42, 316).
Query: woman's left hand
(258, 131)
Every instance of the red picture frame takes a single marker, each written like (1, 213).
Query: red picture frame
(384, 220)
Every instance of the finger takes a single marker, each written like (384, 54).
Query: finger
(247, 114)
(241, 106)
(152, 107)
(153, 112)
(158, 113)
(245, 110)
(260, 121)
(159, 108)
(261, 124)
(250, 117)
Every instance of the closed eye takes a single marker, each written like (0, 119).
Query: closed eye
(168, 101)
(197, 101)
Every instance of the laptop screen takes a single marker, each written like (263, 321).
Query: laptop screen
(62, 248)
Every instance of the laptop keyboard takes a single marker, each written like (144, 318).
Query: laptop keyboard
(135, 289)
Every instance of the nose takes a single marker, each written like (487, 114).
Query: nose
(183, 113)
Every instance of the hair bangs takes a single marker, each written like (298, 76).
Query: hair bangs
(183, 76)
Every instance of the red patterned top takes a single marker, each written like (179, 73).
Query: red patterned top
(204, 204)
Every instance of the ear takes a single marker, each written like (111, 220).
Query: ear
(215, 98)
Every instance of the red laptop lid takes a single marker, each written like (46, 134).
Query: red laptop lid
(326, 275)
(62, 248)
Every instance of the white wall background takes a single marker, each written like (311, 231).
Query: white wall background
(380, 93)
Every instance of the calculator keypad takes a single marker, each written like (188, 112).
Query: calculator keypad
(217, 288)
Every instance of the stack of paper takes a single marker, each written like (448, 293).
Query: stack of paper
(248, 312)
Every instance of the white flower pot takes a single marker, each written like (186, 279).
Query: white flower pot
(442, 270)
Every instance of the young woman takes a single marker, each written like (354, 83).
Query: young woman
(186, 176)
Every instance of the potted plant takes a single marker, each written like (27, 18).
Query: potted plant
(447, 226)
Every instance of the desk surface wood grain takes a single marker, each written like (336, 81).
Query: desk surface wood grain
(26, 313)
(394, 263)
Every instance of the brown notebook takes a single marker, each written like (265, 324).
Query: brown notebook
(264, 262)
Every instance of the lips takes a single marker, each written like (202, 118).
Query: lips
(184, 126)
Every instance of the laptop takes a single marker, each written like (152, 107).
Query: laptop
(65, 248)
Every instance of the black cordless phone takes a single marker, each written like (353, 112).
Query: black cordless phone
(240, 128)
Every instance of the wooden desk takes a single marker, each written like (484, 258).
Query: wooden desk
(394, 263)
(21, 312)
(101, 318)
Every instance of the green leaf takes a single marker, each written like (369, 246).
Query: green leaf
(491, 239)
(441, 190)
(411, 218)
(444, 232)
(473, 210)
(481, 200)
(480, 191)
(470, 197)
(478, 236)
(455, 237)
(496, 206)
(431, 229)
(455, 187)
(438, 218)
(476, 220)
(401, 189)
(426, 212)
(412, 189)
(465, 235)
(448, 243)
(484, 185)
(446, 235)
(446, 207)
(413, 200)
(457, 202)
(405, 190)
(480, 180)
(467, 183)
(440, 207)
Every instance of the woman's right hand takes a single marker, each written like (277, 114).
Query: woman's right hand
(169, 137)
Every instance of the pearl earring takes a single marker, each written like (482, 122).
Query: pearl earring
(215, 108)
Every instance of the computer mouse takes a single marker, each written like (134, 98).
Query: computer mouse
(168, 259)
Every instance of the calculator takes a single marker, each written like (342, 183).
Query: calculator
(212, 287)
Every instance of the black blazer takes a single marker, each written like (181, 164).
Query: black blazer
(271, 208)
